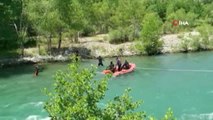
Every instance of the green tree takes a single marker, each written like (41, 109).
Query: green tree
(150, 34)
(77, 93)
(46, 20)
(22, 37)
(185, 43)
(158, 6)
(13, 24)
(180, 15)
(72, 14)
(126, 21)
(21, 25)
(207, 14)
(9, 12)
(100, 15)
(206, 32)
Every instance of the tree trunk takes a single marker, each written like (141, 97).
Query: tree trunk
(38, 45)
(49, 44)
(76, 36)
(59, 40)
(22, 50)
(39, 49)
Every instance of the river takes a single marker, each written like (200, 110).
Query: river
(183, 82)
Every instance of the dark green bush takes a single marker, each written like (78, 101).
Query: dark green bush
(150, 34)
(121, 35)
(88, 31)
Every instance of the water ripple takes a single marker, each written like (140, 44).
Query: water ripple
(204, 116)
(37, 117)
(35, 104)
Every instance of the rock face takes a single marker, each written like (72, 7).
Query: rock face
(32, 60)
(106, 49)
(45, 58)
(171, 43)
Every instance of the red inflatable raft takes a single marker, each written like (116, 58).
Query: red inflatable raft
(123, 71)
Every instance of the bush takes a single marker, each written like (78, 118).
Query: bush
(88, 31)
(42, 51)
(206, 35)
(31, 42)
(120, 35)
(139, 47)
(115, 36)
(190, 43)
(195, 43)
(151, 33)
(152, 48)
(202, 41)
(184, 43)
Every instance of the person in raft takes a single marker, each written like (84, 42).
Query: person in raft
(111, 67)
(118, 63)
(100, 61)
(126, 65)
(36, 70)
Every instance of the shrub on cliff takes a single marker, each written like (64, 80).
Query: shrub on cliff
(201, 41)
(150, 34)
(206, 36)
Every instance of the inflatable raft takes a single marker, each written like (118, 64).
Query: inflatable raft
(123, 71)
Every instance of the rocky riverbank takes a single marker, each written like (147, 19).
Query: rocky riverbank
(92, 47)
(8, 62)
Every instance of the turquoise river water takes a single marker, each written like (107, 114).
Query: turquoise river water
(183, 82)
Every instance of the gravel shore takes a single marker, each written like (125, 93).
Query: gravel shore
(91, 47)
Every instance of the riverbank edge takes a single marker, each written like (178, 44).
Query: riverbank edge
(11, 62)
(90, 49)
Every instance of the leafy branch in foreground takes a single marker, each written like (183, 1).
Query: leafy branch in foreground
(76, 95)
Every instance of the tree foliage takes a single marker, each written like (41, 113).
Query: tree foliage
(203, 40)
(126, 21)
(151, 33)
(10, 12)
(121, 19)
(77, 93)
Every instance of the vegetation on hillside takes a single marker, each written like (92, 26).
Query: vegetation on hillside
(25, 21)
(202, 41)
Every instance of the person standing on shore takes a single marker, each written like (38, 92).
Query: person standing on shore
(100, 61)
